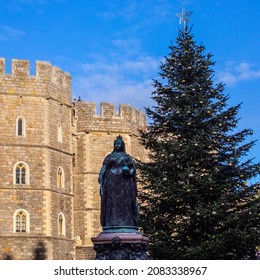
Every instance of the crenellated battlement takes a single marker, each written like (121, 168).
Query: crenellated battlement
(44, 71)
(48, 80)
(126, 118)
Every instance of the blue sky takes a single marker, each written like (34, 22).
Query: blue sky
(113, 48)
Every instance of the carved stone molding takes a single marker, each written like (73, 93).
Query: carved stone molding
(121, 246)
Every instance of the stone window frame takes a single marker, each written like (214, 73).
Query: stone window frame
(21, 221)
(59, 133)
(61, 224)
(60, 178)
(21, 131)
(22, 165)
(73, 117)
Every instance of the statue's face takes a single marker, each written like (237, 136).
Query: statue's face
(118, 145)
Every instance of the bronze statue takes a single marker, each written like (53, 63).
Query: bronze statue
(118, 190)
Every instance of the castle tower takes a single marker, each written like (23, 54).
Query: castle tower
(93, 139)
(52, 151)
(36, 190)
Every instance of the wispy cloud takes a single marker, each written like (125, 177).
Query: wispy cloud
(24, 5)
(18, 4)
(235, 73)
(128, 81)
(126, 47)
(10, 33)
(152, 10)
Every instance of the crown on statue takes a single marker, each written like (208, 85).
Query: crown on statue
(119, 138)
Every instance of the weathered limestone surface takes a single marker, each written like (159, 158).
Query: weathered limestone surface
(44, 101)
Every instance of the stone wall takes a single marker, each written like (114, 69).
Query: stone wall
(58, 133)
(44, 103)
(49, 81)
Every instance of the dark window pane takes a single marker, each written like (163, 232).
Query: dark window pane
(23, 224)
(17, 175)
(23, 175)
(17, 223)
(20, 127)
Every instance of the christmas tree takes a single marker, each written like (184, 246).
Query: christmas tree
(200, 198)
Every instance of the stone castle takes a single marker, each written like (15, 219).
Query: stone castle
(52, 149)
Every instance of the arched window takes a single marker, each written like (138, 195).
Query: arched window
(20, 126)
(60, 177)
(59, 133)
(21, 221)
(21, 174)
(61, 224)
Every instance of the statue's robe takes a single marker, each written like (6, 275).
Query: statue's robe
(119, 192)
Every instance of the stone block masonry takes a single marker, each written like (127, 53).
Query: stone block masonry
(57, 133)
(49, 81)
(30, 209)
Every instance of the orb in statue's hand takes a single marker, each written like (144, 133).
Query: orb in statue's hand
(126, 170)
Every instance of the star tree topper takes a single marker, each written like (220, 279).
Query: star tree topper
(184, 16)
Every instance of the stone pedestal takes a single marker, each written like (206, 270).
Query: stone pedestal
(121, 246)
